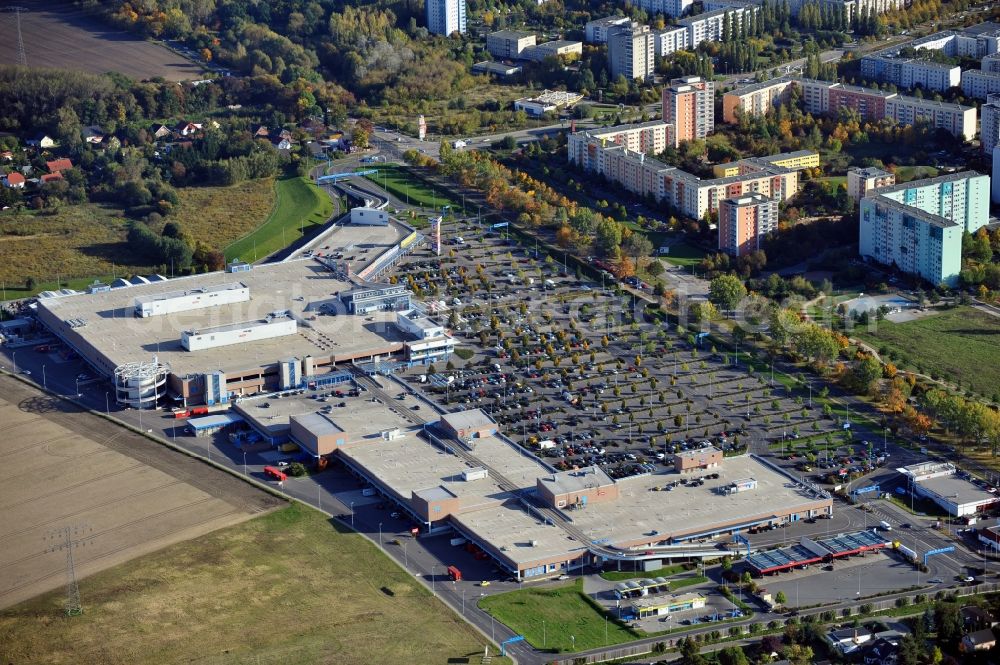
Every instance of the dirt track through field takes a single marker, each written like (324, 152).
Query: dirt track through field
(60, 36)
(129, 495)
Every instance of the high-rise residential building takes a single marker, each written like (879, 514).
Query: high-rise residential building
(917, 226)
(607, 154)
(756, 99)
(744, 221)
(890, 66)
(631, 52)
(651, 137)
(665, 7)
(597, 31)
(670, 40)
(445, 16)
(862, 181)
(508, 44)
(689, 105)
(980, 83)
(996, 171)
(827, 98)
(989, 132)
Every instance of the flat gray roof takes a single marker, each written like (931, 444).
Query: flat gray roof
(511, 34)
(318, 424)
(439, 493)
(214, 288)
(117, 335)
(956, 490)
(640, 510)
(696, 452)
(576, 481)
(912, 211)
(868, 172)
(467, 419)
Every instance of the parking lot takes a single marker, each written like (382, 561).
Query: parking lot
(845, 579)
(576, 372)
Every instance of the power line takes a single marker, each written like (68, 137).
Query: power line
(67, 539)
(22, 57)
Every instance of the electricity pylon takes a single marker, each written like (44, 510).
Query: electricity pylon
(67, 539)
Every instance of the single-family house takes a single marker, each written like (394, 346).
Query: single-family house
(282, 134)
(976, 618)
(92, 134)
(848, 640)
(281, 143)
(979, 640)
(14, 180)
(161, 131)
(262, 132)
(7, 156)
(59, 165)
(51, 177)
(880, 652)
(185, 128)
(42, 141)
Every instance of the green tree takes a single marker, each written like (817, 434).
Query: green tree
(866, 374)
(726, 291)
(732, 656)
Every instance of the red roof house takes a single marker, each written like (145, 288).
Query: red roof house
(14, 180)
(58, 165)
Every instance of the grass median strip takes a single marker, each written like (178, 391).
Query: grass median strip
(300, 208)
(407, 188)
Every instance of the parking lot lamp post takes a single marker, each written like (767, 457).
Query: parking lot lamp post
(379, 533)
(543, 634)
(107, 403)
(352, 514)
(78, 387)
(573, 640)
(748, 406)
(45, 383)
(433, 588)
(13, 358)
(245, 463)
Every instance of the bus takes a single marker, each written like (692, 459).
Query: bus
(275, 473)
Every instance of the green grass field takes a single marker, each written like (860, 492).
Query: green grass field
(959, 344)
(549, 617)
(408, 189)
(77, 241)
(908, 173)
(300, 208)
(283, 588)
(684, 255)
(218, 216)
(80, 243)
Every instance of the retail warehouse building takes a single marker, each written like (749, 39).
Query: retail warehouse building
(460, 473)
(212, 338)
